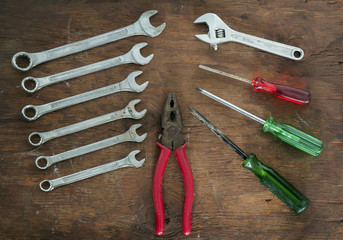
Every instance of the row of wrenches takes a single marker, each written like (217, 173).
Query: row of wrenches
(31, 112)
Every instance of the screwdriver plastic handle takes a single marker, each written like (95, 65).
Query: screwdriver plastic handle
(284, 92)
(277, 184)
(294, 137)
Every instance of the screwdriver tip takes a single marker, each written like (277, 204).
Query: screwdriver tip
(199, 89)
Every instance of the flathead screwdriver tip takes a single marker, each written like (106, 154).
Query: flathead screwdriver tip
(199, 89)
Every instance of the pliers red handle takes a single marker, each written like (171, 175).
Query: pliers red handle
(172, 139)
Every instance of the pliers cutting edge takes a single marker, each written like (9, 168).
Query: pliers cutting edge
(172, 140)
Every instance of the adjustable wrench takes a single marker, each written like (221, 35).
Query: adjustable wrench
(141, 27)
(43, 162)
(31, 84)
(129, 84)
(129, 161)
(219, 32)
(38, 138)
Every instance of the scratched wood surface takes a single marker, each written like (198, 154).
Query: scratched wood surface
(229, 203)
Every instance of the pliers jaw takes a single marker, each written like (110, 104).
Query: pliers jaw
(172, 137)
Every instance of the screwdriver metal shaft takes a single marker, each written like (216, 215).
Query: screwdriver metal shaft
(230, 105)
(225, 74)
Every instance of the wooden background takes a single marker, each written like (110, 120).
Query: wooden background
(229, 202)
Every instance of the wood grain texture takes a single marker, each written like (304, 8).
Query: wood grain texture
(229, 202)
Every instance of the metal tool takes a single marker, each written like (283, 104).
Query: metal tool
(129, 84)
(267, 176)
(284, 92)
(38, 138)
(286, 133)
(43, 162)
(219, 32)
(141, 27)
(172, 140)
(31, 84)
(129, 161)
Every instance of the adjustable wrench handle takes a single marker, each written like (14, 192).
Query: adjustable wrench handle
(157, 187)
(277, 48)
(189, 188)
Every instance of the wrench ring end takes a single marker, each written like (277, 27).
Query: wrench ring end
(46, 186)
(40, 161)
(35, 142)
(22, 55)
(25, 112)
(26, 81)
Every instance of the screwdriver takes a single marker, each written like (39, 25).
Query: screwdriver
(285, 132)
(267, 176)
(281, 91)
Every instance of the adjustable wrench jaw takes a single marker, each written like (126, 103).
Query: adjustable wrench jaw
(218, 32)
(143, 26)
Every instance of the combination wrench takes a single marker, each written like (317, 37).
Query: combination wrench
(129, 84)
(129, 161)
(43, 162)
(219, 32)
(38, 138)
(141, 27)
(31, 84)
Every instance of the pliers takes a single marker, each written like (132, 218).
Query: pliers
(172, 140)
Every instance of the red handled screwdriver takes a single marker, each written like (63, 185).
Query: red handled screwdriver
(284, 92)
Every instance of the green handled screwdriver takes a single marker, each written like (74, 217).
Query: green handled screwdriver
(267, 176)
(285, 132)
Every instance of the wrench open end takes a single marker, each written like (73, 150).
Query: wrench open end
(150, 30)
(137, 56)
(134, 161)
(134, 135)
(132, 110)
(131, 79)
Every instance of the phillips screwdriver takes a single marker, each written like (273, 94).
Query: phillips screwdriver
(281, 91)
(267, 176)
(285, 132)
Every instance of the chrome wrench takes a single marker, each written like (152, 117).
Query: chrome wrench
(31, 84)
(38, 138)
(129, 84)
(129, 161)
(43, 162)
(219, 32)
(141, 27)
